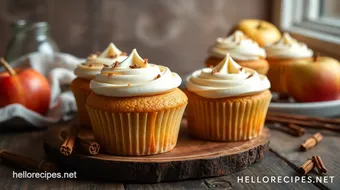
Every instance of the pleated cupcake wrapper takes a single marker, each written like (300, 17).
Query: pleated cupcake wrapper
(227, 121)
(81, 97)
(137, 134)
(277, 77)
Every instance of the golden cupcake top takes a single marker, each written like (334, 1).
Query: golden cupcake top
(134, 76)
(95, 62)
(239, 46)
(288, 47)
(227, 79)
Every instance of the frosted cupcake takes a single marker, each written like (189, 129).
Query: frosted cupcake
(227, 102)
(86, 72)
(136, 107)
(244, 50)
(280, 56)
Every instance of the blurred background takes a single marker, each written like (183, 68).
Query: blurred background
(174, 33)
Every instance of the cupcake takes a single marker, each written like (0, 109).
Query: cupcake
(245, 51)
(86, 72)
(280, 56)
(227, 102)
(136, 108)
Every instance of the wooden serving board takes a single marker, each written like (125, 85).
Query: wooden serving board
(191, 159)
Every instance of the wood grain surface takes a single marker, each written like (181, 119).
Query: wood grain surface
(191, 159)
(29, 143)
(328, 149)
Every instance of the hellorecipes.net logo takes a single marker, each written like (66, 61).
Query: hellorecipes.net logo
(44, 175)
(285, 179)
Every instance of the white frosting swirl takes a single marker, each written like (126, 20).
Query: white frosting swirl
(239, 46)
(134, 77)
(288, 47)
(95, 63)
(227, 79)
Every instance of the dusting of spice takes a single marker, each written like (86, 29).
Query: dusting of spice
(145, 61)
(250, 76)
(241, 69)
(158, 76)
(134, 66)
(115, 64)
(113, 56)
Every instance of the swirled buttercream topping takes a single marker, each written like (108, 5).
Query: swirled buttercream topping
(288, 47)
(239, 46)
(227, 79)
(134, 77)
(95, 62)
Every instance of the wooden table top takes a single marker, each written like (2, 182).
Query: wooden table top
(282, 160)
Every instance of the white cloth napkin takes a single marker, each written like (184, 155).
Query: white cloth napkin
(58, 68)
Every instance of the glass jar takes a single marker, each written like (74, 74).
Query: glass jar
(28, 38)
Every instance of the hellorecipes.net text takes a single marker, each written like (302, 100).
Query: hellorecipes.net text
(44, 175)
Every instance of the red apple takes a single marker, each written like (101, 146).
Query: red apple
(24, 86)
(314, 80)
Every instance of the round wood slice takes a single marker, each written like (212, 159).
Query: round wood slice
(191, 159)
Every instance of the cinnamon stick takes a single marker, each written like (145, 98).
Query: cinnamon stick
(297, 130)
(310, 124)
(319, 164)
(311, 142)
(305, 118)
(88, 147)
(69, 141)
(306, 167)
(27, 163)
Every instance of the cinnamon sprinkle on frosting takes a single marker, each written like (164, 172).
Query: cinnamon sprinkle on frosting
(250, 76)
(113, 56)
(145, 61)
(115, 64)
(158, 76)
(134, 66)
